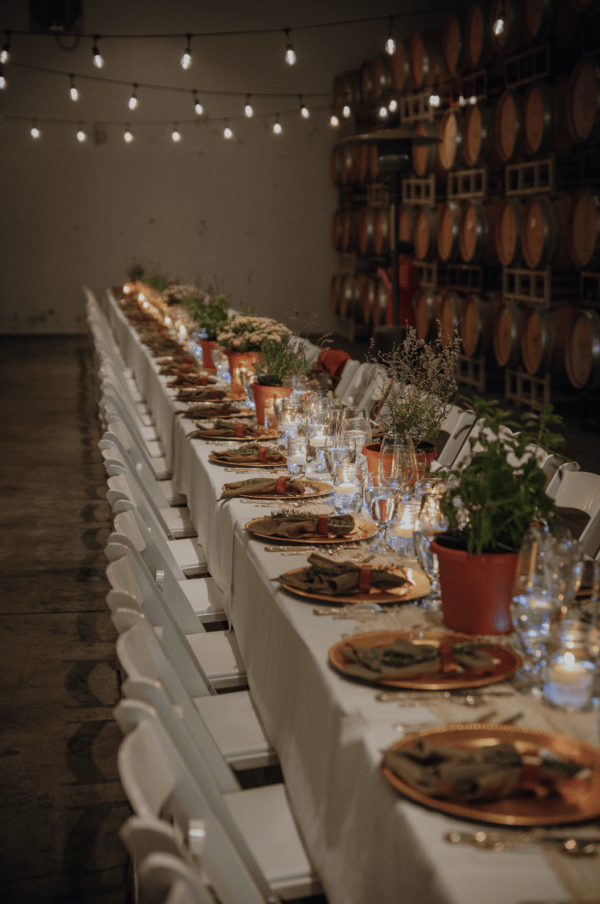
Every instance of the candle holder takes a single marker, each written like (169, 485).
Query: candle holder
(570, 669)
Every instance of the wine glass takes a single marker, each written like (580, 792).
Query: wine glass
(382, 503)
(339, 451)
(430, 522)
(397, 462)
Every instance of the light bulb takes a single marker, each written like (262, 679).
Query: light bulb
(472, 99)
(393, 105)
(434, 100)
(461, 101)
(290, 54)
(2, 81)
(248, 110)
(175, 133)
(304, 111)
(98, 58)
(346, 111)
(5, 55)
(334, 121)
(277, 126)
(73, 92)
(81, 136)
(390, 44)
(35, 131)
(197, 105)
(142, 297)
(227, 133)
(128, 136)
(132, 102)
(186, 59)
(383, 112)
(499, 24)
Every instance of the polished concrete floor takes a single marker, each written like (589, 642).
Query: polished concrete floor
(62, 803)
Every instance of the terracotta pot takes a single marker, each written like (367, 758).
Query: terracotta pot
(476, 589)
(238, 360)
(207, 362)
(262, 395)
(373, 452)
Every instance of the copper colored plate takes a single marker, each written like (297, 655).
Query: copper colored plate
(417, 587)
(227, 437)
(241, 412)
(362, 531)
(244, 464)
(507, 664)
(314, 490)
(579, 800)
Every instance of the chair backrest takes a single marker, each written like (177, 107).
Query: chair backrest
(155, 549)
(554, 469)
(159, 783)
(375, 389)
(166, 879)
(455, 426)
(114, 405)
(350, 368)
(114, 451)
(152, 677)
(358, 384)
(129, 486)
(579, 492)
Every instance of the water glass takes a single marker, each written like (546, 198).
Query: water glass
(288, 411)
(296, 454)
(429, 524)
(398, 463)
(347, 489)
(318, 431)
(382, 503)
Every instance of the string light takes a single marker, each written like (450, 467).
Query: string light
(277, 125)
(346, 111)
(128, 136)
(2, 80)
(304, 111)
(290, 53)
(383, 112)
(186, 59)
(227, 133)
(98, 58)
(248, 109)
(175, 133)
(73, 92)
(434, 100)
(35, 132)
(390, 44)
(498, 26)
(5, 55)
(197, 105)
(81, 136)
(393, 105)
(133, 102)
(334, 121)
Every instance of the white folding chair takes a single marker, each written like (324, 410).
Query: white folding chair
(375, 389)
(166, 879)
(350, 368)
(142, 435)
(358, 384)
(578, 501)
(158, 779)
(114, 453)
(135, 447)
(226, 727)
(455, 427)
(216, 653)
(554, 468)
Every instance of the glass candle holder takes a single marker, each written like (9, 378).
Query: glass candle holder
(296, 454)
(347, 489)
(570, 668)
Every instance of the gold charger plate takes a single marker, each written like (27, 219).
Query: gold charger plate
(579, 799)
(244, 464)
(417, 587)
(507, 661)
(362, 531)
(315, 487)
(242, 412)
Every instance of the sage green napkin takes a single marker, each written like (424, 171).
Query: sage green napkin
(223, 429)
(306, 525)
(262, 486)
(202, 394)
(338, 578)
(403, 659)
(483, 773)
(250, 454)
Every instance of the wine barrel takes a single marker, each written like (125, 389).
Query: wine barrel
(476, 230)
(336, 164)
(452, 46)
(586, 6)
(428, 311)
(508, 131)
(335, 291)
(565, 27)
(479, 49)
(400, 67)
(545, 231)
(451, 313)
(375, 298)
(511, 37)
(582, 352)
(406, 218)
(584, 229)
(425, 233)
(424, 60)
(336, 230)
(366, 230)
(425, 158)
(350, 230)
(545, 127)
(373, 162)
(383, 230)
(350, 301)
(347, 163)
(507, 234)
(584, 102)
(537, 20)
(478, 142)
(450, 151)
(508, 324)
(376, 79)
(477, 326)
(447, 231)
(543, 339)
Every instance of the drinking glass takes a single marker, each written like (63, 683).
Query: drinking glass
(296, 454)
(318, 430)
(382, 503)
(338, 451)
(347, 489)
(398, 463)
(357, 429)
(289, 414)
(570, 670)
(429, 524)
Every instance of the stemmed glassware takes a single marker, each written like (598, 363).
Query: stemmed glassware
(382, 503)
(430, 523)
(398, 463)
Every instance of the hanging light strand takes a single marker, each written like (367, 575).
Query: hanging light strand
(198, 108)
(35, 132)
(304, 111)
(81, 136)
(227, 133)
(133, 101)
(186, 59)
(5, 54)
(248, 109)
(390, 43)
(97, 57)
(73, 92)
(277, 125)
(3, 82)
(290, 53)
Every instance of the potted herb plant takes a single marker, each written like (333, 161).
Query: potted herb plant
(280, 358)
(419, 390)
(492, 500)
(212, 317)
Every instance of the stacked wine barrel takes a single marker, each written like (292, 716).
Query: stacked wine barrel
(479, 247)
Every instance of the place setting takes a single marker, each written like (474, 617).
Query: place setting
(231, 430)
(251, 455)
(267, 488)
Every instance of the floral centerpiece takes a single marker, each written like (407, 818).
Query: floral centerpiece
(248, 333)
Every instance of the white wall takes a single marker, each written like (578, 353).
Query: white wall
(250, 217)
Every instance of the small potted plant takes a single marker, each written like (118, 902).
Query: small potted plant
(243, 337)
(418, 391)
(492, 500)
(212, 316)
(280, 358)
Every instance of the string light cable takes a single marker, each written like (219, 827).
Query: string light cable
(73, 92)
(5, 53)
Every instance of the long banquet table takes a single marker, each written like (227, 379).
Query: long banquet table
(366, 841)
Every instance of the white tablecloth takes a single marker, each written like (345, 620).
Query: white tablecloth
(367, 843)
